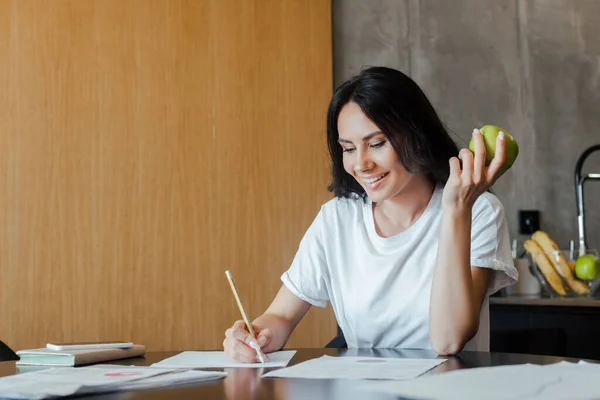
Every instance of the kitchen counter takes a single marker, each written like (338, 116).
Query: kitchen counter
(568, 327)
(546, 301)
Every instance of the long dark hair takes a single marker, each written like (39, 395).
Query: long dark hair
(398, 106)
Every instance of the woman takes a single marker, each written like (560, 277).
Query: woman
(412, 244)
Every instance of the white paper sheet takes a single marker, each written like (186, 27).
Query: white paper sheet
(64, 381)
(217, 359)
(179, 378)
(561, 381)
(327, 367)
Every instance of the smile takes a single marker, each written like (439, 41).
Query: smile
(375, 178)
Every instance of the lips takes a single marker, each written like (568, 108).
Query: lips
(373, 179)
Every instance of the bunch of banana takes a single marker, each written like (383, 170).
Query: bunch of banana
(553, 264)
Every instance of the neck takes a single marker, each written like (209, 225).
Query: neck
(406, 207)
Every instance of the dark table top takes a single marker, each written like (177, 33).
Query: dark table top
(245, 383)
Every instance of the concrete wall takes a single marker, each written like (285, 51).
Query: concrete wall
(530, 66)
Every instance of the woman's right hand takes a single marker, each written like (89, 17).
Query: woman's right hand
(238, 341)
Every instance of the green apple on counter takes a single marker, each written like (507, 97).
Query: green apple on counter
(490, 133)
(587, 267)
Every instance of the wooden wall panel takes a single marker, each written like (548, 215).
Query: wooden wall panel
(145, 148)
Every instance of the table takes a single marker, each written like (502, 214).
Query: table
(245, 383)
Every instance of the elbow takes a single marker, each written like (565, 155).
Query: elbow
(451, 343)
(447, 347)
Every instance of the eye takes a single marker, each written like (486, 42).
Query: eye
(347, 150)
(378, 144)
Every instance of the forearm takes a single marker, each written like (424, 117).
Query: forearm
(282, 316)
(454, 317)
(281, 328)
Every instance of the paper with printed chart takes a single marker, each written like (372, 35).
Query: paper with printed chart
(560, 381)
(218, 359)
(64, 381)
(327, 367)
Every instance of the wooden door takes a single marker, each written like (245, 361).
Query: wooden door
(145, 148)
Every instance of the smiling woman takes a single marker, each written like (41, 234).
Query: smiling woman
(411, 246)
(383, 103)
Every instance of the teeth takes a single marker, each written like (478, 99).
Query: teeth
(373, 180)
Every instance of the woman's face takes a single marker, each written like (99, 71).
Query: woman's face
(369, 157)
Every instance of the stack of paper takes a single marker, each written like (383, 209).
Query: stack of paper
(561, 381)
(327, 367)
(58, 382)
(217, 359)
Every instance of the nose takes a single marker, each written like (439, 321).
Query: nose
(363, 162)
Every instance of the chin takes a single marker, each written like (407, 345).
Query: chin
(376, 197)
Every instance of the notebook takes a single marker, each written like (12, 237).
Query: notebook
(72, 358)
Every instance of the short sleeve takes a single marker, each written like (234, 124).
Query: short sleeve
(490, 242)
(308, 275)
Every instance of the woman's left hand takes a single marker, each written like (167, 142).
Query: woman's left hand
(465, 185)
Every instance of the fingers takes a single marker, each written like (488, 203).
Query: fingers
(264, 337)
(467, 164)
(454, 169)
(239, 324)
(239, 351)
(237, 343)
(238, 331)
(469, 180)
(480, 155)
(493, 171)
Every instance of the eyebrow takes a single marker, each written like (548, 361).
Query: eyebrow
(368, 137)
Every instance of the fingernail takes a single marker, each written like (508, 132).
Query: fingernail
(254, 345)
(262, 340)
(476, 131)
(501, 135)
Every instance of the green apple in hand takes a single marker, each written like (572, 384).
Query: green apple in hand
(490, 133)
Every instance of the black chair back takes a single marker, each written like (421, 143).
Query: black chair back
(338, 342)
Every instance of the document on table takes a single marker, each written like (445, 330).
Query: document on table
(65, 381)
(561, 381)
(327, 367)
(217, 359)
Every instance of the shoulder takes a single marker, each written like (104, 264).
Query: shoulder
(344, 204)
(488, 203)
(488, 211)
(343, 209)
(338, 217)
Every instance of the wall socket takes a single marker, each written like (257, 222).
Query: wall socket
(529, 221)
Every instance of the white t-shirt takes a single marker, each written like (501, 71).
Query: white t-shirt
(380, 288)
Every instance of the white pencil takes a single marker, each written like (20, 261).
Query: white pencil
(254, 343)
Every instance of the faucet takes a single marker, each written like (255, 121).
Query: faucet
(579, 181)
